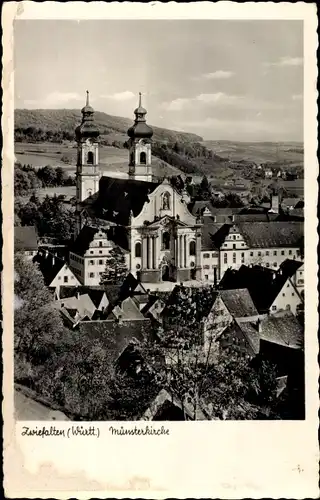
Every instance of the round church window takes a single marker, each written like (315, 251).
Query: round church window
(138, 266)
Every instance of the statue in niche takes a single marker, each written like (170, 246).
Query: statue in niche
(166, 201)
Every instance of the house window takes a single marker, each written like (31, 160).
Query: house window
(292, 294)
(259, 254)
(91, 251)
(72, 277)
(300, 282)
(59, 277)
(234, 245)
(206, 276)
(143, 158)
(242, 244)
(290, 252)
(91, 262)
(274, 252)
(206, 255)
(90, 158)
(267, 264)
(137, 251)
(165, 241)
(234, 237)
(100, 262)
(206, 266)
(242, 258)
(274, 308)
(283, 295)
(234, 258)
(282, 252)
(65, 279)
(91, 275)
(100, 243)
(100, 251)
(251, 254)
(267, 252)
(192, 249)
(225, 258)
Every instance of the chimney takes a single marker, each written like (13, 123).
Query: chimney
(53, 260)
(275, 204)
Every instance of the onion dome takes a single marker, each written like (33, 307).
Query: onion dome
(140, 129)
(87, 128)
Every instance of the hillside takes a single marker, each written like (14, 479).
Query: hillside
(112, 128)
(258, 152)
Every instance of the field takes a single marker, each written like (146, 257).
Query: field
(113, 161)
(258, 152)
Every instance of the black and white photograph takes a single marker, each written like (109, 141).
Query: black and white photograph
(159, 220)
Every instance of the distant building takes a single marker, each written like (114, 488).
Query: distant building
(56, 272)
(268, 173)
(26, 241)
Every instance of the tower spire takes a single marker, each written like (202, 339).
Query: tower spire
(139, 99)
(87, 101)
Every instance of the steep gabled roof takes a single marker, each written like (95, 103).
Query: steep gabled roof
(283, 330)
(263, 284)
(50, 270)
(25, 238)
(239, 303)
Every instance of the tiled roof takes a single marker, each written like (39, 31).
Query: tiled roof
(289, 267)
(282, 330)
(239, 303)
(255, 217)
(118, 197)
(250, 331)
(271, 234)
(25, 238)
(95, 293)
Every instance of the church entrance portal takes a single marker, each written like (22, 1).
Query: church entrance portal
(165, 273)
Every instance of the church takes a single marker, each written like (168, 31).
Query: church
(145, 216)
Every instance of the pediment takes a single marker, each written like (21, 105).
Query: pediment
(167, 222)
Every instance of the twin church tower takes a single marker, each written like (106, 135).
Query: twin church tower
(87, 137)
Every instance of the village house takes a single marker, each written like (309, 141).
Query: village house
(56, 272)
(26, 241)
(271, 291)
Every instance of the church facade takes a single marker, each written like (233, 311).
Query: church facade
(146, 217)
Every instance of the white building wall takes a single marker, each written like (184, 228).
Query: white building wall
(287, 300)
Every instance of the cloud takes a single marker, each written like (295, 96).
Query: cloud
(286, 61)
(55, 99)
(184, 102)
(120, 96)
(218, 75)
(297, 97)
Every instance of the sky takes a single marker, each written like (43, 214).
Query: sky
(232, 80)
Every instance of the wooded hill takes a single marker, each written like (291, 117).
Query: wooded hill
(51, 124)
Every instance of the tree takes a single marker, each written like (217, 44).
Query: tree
(37, 324)
(48, 176)
(116, 268)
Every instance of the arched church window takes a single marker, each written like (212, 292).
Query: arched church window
(166, 201)
(137, 250)
(90, 158)
(192, 248)
(165, 241)
(143, 158)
